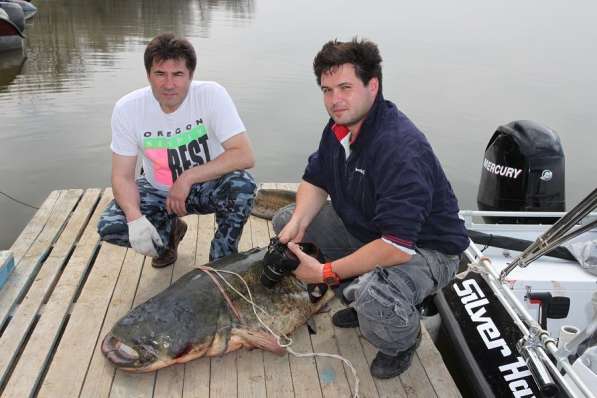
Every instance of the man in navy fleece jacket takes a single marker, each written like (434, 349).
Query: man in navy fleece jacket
(391, 232)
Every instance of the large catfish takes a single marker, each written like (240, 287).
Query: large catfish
(195, 318)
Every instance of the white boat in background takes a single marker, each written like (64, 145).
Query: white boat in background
(570, 285)
(29, 10)
(12, 24)
(521, 318)
(523, 323)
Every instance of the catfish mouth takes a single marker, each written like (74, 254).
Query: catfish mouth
(124, 356)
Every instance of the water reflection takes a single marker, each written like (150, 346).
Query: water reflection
(11, 64)
(67, 37)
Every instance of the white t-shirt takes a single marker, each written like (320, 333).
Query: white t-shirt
(171, 143)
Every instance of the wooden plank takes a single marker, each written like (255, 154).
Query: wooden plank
(412, 383)
(246, 239)
(34, 226)
(197, 372)
(331, 372)
(62, 210)
(388, 388)
(77, 223)
(260, 232)
(133, 385)
(90, 237)
(224, 376)
(82, 331)
(170, 381)
(278, 380)
(196, 378)
(223, 380)
(291, 186)
(415, 381)
(436, 370)
(24, 317)
(304, 370)
(7, 264)
(153, 281)
(98, 379)
(33, 360)
(204, 237)
(126, 384)
(29, 265)
(350, 348)
(332, 377)
(251, 373)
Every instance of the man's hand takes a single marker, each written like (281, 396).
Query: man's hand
(309, 201)
(143, 237)
(293, 231)
(309, 270)
(177, 197)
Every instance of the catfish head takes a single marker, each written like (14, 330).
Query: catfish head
(177, 325)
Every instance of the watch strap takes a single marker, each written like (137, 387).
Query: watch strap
(330, 278)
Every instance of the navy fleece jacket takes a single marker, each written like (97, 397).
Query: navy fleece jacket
(392, 185)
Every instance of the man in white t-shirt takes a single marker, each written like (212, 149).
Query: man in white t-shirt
(194, 152)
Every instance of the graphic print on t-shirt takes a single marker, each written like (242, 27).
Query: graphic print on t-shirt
(174, 152)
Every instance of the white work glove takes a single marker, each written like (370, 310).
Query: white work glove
(143, 237)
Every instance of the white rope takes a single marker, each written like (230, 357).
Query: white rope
(339, 357)
(474, 267)
(288, 341)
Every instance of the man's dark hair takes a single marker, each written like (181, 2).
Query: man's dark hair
(362, 54)
(167, 46)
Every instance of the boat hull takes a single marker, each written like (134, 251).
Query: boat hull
(10, 43)
(484, 338)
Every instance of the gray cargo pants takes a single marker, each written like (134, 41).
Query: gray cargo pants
(230, 197)
(384, 298)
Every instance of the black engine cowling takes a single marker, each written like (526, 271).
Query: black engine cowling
(523, 170)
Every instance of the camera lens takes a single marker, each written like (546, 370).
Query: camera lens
(277, 262)
(271, 275)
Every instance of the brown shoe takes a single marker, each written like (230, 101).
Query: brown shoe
(169, 257)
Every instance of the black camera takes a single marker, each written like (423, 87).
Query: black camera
(279, 261)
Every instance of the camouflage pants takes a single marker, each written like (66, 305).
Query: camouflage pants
(230, 197)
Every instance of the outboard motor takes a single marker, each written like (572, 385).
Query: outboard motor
(523, 170)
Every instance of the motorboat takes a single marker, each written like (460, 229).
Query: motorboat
(15, 14)
(11, 26)
(29, 10)
(520, 319)
(546, 312)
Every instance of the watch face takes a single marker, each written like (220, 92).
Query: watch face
(330, 281)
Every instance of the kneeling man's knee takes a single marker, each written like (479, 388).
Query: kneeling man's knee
(387, 316)
(282, 217)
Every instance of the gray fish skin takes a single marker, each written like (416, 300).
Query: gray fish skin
(191, 318)
(269, 201)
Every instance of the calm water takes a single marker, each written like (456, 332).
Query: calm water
(458, 69)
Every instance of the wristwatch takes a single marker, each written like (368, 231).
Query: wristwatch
(330, 278)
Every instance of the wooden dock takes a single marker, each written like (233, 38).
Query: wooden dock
(67, 290)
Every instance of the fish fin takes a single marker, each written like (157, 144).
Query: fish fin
(259, 339)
